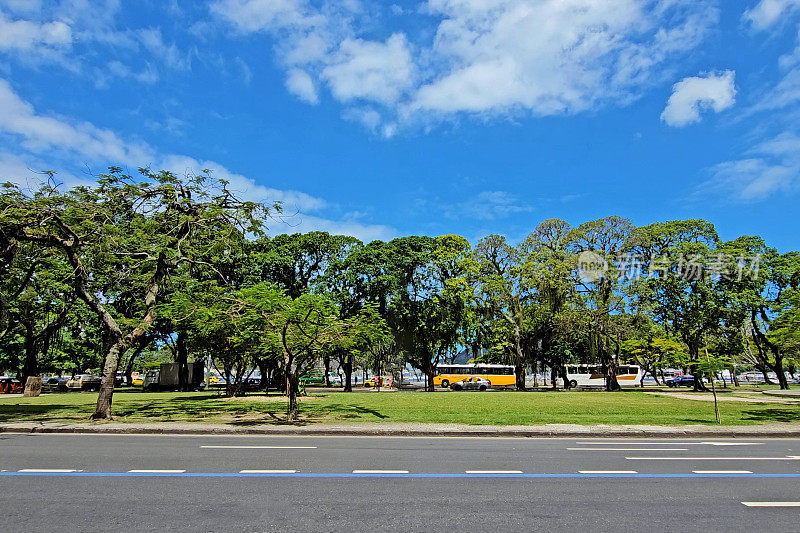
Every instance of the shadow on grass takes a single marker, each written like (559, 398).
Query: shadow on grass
(772, 414)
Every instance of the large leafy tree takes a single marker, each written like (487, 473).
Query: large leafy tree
(142, 228)
(601, 243)
(679, 289)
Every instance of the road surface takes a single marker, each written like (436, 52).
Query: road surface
(216, 483)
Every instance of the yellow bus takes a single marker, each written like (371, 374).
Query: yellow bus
(497, 375)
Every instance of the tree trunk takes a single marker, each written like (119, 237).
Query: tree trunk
(182, 358)
(327, 362)
(263, 382)
(347, 366)
(519, 373)
(31, 365)
(291, 392)
(429, 372)
(103, 409)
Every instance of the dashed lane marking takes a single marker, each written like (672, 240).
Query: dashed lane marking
(722, 471)
(147, 471)
(628, 449)
(236, 447)
(493, 472)
(607, 472)
(787, 458)
(642, 443)
(267, 471)
(49, 470)
(380, 471)
(771, 504)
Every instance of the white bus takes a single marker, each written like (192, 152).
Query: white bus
(592, 376)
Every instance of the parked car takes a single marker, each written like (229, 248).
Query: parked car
(314, 376)
(84, 382)
(681, 381)
(473, 383)
(379, 381)
(58, 383)
(9, 385)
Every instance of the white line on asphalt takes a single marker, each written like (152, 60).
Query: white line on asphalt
(787, 458)
(718, 443)
(267, 471)
(226, 447)
(607, 472)
(771, 504)
(640, 443)
(380, 471)
(628, 449)
(156, 471)
(50, 470)
(722, 471)
(493, 472)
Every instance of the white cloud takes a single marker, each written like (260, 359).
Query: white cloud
(28, 36)
(40, 133)
(772, 167)
(488, 205)
(168, 54)
(767, 12)
(59, 138)
(305, 223)
(552, 56)
(692, 95)
(370, 70)
(487, 57)
(258, 15)
(301, 85)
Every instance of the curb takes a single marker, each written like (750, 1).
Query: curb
(771, 431)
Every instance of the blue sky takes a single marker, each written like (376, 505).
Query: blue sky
(383, 119)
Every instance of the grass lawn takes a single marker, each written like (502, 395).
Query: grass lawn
(494, 408)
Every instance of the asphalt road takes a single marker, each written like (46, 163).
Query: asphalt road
(210, 483)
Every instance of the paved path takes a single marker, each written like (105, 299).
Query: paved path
(725, 397)
(211, 483)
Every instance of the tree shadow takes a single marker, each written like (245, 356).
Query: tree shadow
(772, 414)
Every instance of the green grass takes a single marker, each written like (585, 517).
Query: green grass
(494, 408)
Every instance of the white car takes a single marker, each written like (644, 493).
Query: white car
(473, 383)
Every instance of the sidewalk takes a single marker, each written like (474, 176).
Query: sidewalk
(772, 430)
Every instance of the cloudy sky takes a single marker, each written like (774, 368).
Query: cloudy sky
(382, 119)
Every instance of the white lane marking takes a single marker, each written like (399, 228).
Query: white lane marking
(493, 471)
(771, 504)
(227, 447)
(787, 458)
(267, 471)
(380, 471)
(717, 443)
(722, 471)
(628, 449)
(607, 472)
(144, 471)
(50, 470)
(641, 443)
